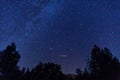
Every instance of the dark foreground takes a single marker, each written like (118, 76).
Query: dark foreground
(102, 65)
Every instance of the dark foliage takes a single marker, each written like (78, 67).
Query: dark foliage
(47, 71)
(82, 75)
(102, 66)
(79, 74)
(8, 63)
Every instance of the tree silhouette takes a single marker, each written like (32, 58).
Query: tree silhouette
(79, 74)
(27, 75)
(8, 63)
(9, 69)
(85, 75)
(47, 71)
(82, 75)
(102, 65)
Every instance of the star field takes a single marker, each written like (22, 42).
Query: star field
(60, 31)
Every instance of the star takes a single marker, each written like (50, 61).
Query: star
(51, 49)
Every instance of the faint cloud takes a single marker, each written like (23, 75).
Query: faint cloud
(63, 55)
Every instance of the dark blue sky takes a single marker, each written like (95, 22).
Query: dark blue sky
(61, 31)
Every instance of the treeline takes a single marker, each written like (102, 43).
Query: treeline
(102, 65)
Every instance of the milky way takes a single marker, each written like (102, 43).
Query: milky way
(60, 31)
(25, 23)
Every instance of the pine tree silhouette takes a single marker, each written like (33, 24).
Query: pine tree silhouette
(9, 59)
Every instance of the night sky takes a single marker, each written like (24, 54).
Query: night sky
(60, 31)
